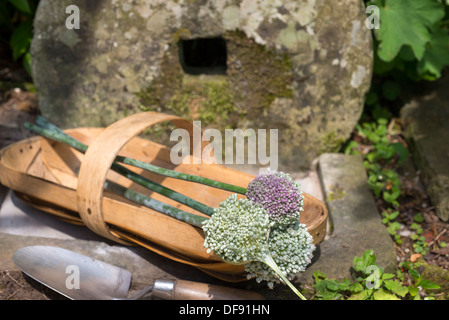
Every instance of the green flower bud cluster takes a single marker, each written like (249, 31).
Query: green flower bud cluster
(291, 249)
(237, 231)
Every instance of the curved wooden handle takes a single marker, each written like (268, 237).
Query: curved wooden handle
(99, 157)
(188, 290)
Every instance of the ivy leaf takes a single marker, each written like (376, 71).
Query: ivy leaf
(406, 22)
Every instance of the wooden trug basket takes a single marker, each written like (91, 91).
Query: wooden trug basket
(61, 181)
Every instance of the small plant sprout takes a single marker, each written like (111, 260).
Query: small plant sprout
(241, 232)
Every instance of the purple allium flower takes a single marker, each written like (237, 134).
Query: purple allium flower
(278, 194)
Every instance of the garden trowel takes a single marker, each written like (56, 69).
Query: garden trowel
(79, 277)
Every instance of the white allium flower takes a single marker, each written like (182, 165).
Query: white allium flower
(237, 231)
(291, 249)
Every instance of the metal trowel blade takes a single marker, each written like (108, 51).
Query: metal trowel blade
(73, 275)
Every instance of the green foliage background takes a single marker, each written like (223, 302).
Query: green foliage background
(16, 25)
(411, 45)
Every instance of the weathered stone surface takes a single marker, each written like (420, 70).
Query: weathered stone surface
(302, 67)
(426, 119)
(355, 224)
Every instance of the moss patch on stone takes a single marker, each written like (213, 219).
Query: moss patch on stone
(336, 193)
(255, 77)
(256, 73)
(208, 99)
(169, 81)
(331, 143)
(440, 277)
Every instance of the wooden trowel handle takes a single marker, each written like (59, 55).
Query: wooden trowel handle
(188, 290)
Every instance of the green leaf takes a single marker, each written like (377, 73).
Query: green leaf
(387, 276)
(332, 285)
(380, 112)
(396, 287)
(22, 5)
(381, 67)
(319, 275)
(384, 295)
(436, 56)
(393, 228)
(401, 150)
(361, 263)
(363, 295)
(393, 215)
(26, 62)
(418, 218)
(414, 273)
(427, 284)
(352, 147)
(413, 290)
(21, 39)
(356, 287)
(406, 22)
(329, 295)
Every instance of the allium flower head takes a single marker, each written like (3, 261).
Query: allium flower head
(291, 249)
(237, 231)
(279, 195)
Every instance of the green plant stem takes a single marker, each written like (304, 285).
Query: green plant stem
(54, 135)
(154, 204)
(181, 176)
(152, 168)
(268, 260)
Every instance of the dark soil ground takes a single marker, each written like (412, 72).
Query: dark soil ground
(414, 200)
(14, 285)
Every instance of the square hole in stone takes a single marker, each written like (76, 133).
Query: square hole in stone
(203, 55)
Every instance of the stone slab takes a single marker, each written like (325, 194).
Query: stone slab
(355, 224)
(426, 119)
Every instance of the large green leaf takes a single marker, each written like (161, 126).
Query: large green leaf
(406, 22)
(22, 5)
(436, 56)
(21, 39)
